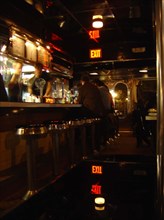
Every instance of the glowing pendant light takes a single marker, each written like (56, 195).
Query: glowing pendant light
(97, 21)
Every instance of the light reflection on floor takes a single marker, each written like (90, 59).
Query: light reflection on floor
(128, 189)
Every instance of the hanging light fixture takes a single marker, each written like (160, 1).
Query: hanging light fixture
(97, 21)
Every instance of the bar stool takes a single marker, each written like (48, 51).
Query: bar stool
(96, 137)
(55, 128)
(76, 125)
(90, 136)
(31, 134)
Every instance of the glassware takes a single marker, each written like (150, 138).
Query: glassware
(40, 83)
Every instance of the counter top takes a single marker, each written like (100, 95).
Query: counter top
(14, 114)
(36, 105)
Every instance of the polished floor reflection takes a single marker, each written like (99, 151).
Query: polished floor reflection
(122, 159)
(128, 190)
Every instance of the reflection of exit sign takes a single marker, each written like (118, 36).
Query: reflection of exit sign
(96, 189)
(96, 169)
(139, 49)
(97, 53)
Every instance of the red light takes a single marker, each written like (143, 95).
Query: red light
(55, 37)
(96, 189)
(49, 3)
(94, 34)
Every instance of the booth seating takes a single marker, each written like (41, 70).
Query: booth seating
(31, 134)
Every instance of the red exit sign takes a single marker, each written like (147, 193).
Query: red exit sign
(94, 34)
(97, 53)
(96, 189)
(97, 169)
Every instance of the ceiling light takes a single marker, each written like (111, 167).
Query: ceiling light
(93, 74)
(100, 203)
(143, 71)
(28, 68)
(97, 21)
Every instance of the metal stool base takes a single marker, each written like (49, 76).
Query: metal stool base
(29, 194)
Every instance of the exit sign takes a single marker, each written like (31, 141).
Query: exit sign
(96, 189)
(96, 169)
(97, 53)
(94, 34)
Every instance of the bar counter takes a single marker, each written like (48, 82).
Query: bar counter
(14, 114)
(36, 105)
(17, 116)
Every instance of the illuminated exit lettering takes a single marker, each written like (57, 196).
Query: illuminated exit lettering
(96, 189)
(95, 53)
(97, 169)
(94, 34)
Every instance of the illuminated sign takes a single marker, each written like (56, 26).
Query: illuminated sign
(49, 100)
(96, 189)
(97, 169)
(94, 34)
(97, 53)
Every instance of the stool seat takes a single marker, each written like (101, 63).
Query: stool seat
(32, 130)
(57, 126)
(55, 129)
(76, 122)
(30, 134)
(88, 120)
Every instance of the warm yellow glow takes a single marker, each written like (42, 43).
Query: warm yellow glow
(48, 47)
(3, 48)
(37, 43)
(97, 17)
(38, 48)
(28, 68)
(99, 203)
(97, 21)
(97, 53)
(28, 43)
(113, 93)
(96, 169)
(3, 59)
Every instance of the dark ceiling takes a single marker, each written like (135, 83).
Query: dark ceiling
(127, 38)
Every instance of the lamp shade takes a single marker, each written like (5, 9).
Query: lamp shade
(97, 21)
(100, 203)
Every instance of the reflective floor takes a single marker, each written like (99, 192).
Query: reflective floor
(127, 187)
(121, 173)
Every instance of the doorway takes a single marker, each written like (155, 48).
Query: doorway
(121, 98)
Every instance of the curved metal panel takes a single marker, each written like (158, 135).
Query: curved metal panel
(160, 106)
